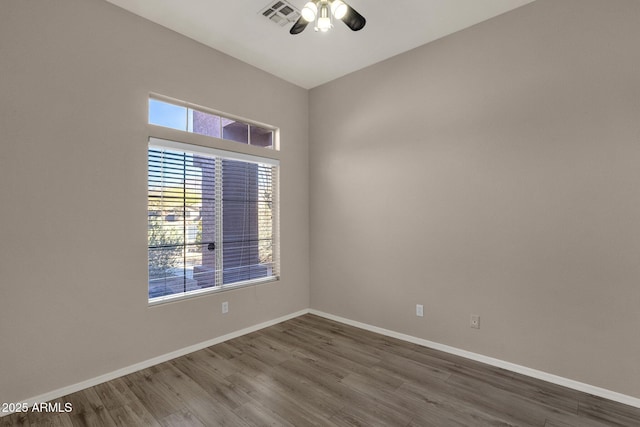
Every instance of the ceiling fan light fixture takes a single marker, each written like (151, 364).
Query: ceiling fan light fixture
(323, 12)
(309, 11)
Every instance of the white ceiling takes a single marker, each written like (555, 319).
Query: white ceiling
(309, 59)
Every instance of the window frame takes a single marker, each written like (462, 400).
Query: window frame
(208, 145)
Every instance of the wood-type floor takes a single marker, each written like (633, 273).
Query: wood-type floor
(312, 371)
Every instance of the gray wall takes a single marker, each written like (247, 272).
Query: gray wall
(74, 80)
(493, 172)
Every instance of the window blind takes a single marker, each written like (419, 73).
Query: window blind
(211, 219)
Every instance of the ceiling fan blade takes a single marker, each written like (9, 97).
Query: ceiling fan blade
(353, 19)
(299, 26)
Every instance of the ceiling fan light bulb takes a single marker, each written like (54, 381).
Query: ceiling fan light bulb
(339, 9)
(324, 23)
(309, 11)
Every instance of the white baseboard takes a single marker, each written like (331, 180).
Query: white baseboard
(534, 373)
(154, 361)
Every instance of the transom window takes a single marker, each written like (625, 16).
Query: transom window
(188, 119)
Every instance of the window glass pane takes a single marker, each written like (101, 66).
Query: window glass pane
(204, 263)
(265, 217)
(242, 199)
(261, 137)
(205, 124)
(167, 115)
(165, 223)
(235, 131)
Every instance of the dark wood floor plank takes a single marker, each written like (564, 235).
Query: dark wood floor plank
(121, 401)
(444, 362)
(408, 371)
(88, 409)
(263, 350)
(608, 412)
(575, 420)
(555, 423)
(439, 404)
(531, 399)
(497, 401)
(124, 416)
(279, 399)
(346, 338)
(196, 400)
(157, 400)
(375, 383)
(54, 420)
(257, 415)
(251, 365)
(370, 416)
(339, 363)
(541, 391)
(337, 394)
(15, 419)
(217, 387)
(310, 371)
(274, 344)
(225, 350)
(211, 361)
(181, 419)
(314, 396)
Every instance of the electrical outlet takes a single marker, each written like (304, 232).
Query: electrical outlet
(475, 321)
(419, 310)
(225, 307)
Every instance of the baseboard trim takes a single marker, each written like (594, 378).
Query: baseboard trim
(55, 394)
(534, 373)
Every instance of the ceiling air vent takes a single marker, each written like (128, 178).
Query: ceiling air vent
(280, 12)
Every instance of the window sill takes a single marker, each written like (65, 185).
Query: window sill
(208, 291)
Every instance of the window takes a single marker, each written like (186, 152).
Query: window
(212, 214)
(172, 115)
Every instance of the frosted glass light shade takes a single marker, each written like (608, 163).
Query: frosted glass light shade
(309, 11)
(339, 9)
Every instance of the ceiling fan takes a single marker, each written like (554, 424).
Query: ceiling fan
(323, 12)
